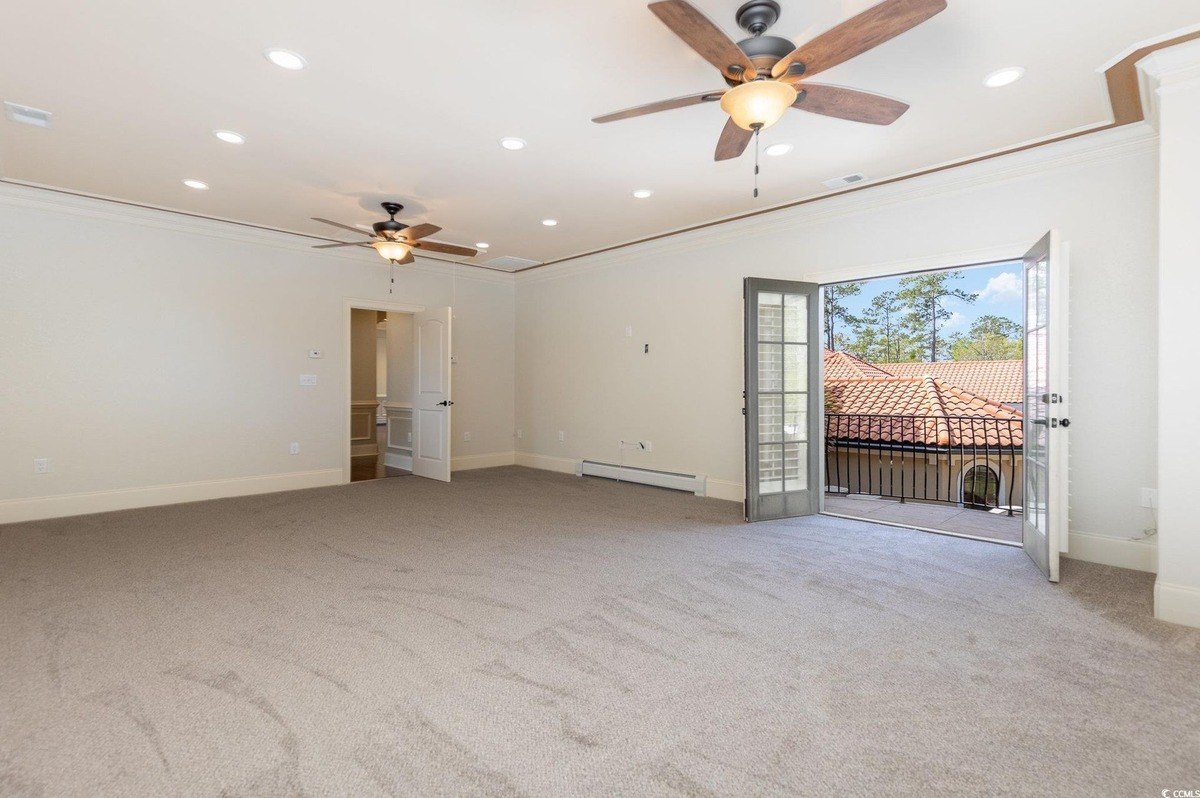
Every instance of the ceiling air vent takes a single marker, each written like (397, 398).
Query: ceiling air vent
(26, 115)
(842, 182)
(510, 264)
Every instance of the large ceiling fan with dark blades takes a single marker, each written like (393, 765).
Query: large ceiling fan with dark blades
(395, 241)
(769, 74)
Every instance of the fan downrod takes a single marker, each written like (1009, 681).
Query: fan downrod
(389, 228)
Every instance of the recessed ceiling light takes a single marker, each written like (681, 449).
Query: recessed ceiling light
(512, 143)
(482, 245)
(550, 222)
(778, 149)
(199, 185)
(1003, 77)
(643, 193)
(229, 137)
(285, 58)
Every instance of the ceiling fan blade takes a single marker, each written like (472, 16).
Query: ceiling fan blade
(857, 106)
(732, 143)
(662, 105)
(858, 34)
(342, 244)
(360, 231)
(705, 38)
(448, 249)
(419, 231)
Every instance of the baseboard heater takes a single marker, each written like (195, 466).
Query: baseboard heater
(691, 483)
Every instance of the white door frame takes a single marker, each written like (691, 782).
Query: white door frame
(349, 304)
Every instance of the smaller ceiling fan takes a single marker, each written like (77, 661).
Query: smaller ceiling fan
(395, 241)
(767, 75)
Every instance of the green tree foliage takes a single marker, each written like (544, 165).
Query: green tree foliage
(881, 335)
(836, 311)
(925, 295)
(990, 338)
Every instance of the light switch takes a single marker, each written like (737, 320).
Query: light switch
(308, 379)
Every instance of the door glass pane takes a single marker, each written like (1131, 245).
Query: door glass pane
(795, 318)
(770, 367)
(770, 469)
(795, 367)
(795, 417)
(795, 466)
(770, 317)
(770, 418)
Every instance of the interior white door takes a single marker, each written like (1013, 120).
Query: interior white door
(431, 402)
(1046, 422)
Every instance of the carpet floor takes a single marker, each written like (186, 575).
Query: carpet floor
(524, 633)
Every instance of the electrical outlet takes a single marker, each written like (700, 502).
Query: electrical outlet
(308, 379)
(562, 436)
(1148, 498)
(520, 433)
(294, 448)
(410, 437)
(647, 446)
(629, 331)
(42, 465)
(466, 436)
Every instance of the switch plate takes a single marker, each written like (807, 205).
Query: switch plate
(466, 436)
(294, 448)
(42, 465)
(628, 330)
(1148, 498)
(520, 433)
(308, 379)
(562, 436)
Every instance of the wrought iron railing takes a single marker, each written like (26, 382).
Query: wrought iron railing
(963, 460)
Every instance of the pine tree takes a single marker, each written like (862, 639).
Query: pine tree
(923, 294)
(836, 310)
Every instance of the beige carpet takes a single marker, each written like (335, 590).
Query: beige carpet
(519, 632)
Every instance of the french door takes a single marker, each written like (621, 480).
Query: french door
(431, 400)
(783, 394)
(1045, 409)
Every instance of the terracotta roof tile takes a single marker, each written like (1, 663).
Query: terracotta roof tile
(917, 410)
(845, 366)
(1000, 380)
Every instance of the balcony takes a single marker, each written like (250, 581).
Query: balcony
(957, 474)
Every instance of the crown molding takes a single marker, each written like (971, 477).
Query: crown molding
(1103, 146)
(20, 194)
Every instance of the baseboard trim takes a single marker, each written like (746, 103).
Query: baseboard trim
(562, 465)
(394, 460)
(1177, 603)
(726, 490)
(1137, 555)
(490, 460)
(17, 510)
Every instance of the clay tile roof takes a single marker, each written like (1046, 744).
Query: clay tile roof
(845, 366)
(916, 410)
(1000, 380)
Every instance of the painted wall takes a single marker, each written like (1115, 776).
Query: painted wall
(1177, 104)
(156, 358)
(363, 355)
(578, 372)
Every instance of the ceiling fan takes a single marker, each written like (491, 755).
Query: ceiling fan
(395, 241)
(769, 74)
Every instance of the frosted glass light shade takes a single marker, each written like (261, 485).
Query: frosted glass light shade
(392, 250)
(759, 103)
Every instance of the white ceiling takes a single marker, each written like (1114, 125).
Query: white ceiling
(407, 101)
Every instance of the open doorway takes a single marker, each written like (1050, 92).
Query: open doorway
(924, 385)
(380, 394)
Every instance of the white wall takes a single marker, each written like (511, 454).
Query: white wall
(578, 373)
(1177, 111)
(156, 358)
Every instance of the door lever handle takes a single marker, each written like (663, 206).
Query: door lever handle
(445, 403)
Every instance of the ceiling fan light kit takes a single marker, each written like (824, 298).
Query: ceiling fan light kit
(759, 104)
(393, 251)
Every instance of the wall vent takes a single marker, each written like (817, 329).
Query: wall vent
(692, 483)
(510, 264)
(26, 115)
(842, 182)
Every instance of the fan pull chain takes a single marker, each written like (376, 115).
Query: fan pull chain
(757, 130)
(392, 286)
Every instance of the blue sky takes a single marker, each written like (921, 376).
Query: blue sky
(997, 288)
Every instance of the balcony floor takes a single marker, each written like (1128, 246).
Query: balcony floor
(939, 517)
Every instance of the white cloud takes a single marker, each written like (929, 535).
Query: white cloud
(1003, 287)
(956, 320)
